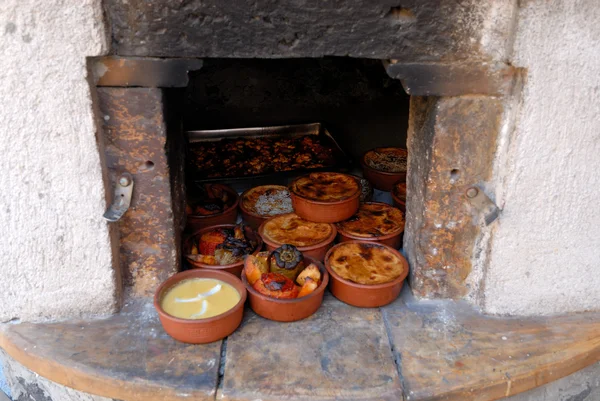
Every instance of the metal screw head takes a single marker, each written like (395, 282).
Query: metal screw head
(472, 192)
(124, 181)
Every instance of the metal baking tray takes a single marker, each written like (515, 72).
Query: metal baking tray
(342, 161)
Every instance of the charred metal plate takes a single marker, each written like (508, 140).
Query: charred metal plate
(146, 72)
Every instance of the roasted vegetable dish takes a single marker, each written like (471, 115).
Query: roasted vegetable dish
(238, 157)
(210, 199)
(281, 274)
(389, 160)
(222, 246)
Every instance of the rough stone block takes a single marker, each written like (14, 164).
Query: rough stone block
(451, 145)
(136, 142)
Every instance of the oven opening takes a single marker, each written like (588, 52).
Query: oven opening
(240, 117)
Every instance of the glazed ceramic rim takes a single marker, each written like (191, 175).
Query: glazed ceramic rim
(197, 273)
(253, 214)
(364, 164)
(321, 288)
(318, 245)
(325, 203)
(396, 281)
(257, 249)
(229, 209)
(372, 239)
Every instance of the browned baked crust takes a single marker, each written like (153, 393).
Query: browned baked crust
(365, 263)
(326, 187)
(291, 229)
(373, 219)
(400, 191)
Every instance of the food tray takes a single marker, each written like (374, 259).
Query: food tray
(339, 162)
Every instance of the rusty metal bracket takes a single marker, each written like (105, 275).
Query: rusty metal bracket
(480, 201)
(122, 198)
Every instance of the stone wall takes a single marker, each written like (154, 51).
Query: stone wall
(57, 258)
(544, 254)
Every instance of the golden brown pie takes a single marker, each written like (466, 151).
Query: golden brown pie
(326, 187)
(291, 229)
(389, 160)
(365, 263)
(373, 219)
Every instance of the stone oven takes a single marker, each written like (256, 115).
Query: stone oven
(102, 93)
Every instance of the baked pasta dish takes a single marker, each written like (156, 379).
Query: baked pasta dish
(291, 229)
(365, 263)
(326, 187)
(373, 219)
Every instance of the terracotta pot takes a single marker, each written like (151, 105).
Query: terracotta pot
(366, 296)
(393, 239)
(288, 310)
(325, 211)
(399, 195)
(234, 268)
(201, 331)
(227, 216)
(382, 180)
(250, 217)
(316, 251)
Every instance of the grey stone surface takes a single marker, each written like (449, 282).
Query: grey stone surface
(580, 386)
(26, 385)
(412, 30)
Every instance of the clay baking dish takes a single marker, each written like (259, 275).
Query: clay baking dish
(227, 216)
(392, 239)
(234, 268)
(248, 201)
(340, 194)
(362, 295)
(316, 251)
(399, 195)
(383, 180)
(288, 310)
(201, 331)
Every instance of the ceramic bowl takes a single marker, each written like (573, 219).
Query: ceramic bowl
(227, 216)
(288, 310)
(234, 268)
(201, 331)
(399, 195)
(393, 239)
(366, 296)
(382, 180)
(316, 251)
(325, 212)
(251, 217)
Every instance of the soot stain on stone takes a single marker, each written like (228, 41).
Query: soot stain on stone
(10, 28)
(32, 392)
(27, 38)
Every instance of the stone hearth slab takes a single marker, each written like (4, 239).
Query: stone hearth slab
(340, 353)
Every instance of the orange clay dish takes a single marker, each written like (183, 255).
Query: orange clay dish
(282, 274)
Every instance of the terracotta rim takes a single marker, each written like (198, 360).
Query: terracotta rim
(320, 288)
(332, 203)
(364, 164)
(398, 280)
(393, 191)
(236, 202)
(259, 244)
(371, 239)
(267, 241)
(244, 210)
(197, 273)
